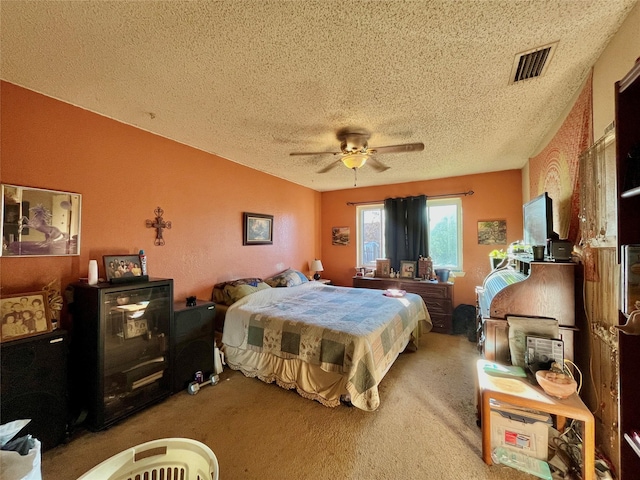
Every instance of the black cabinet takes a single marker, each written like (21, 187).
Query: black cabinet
(627, 124)
(120, 350)
(34, 386)
(192, 338)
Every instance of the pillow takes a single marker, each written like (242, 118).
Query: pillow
(218, 295)
(233, 293)
(288, 278)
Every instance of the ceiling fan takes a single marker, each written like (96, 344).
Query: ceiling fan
(355, 151)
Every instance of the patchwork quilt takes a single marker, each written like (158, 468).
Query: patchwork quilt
(356, 332)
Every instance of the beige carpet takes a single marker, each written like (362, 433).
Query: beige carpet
(425, 427)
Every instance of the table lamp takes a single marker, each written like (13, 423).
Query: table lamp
(316, 266)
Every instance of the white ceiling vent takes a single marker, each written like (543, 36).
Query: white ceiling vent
(532, 63)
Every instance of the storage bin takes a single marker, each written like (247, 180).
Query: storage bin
(442, 274)
(169, 458)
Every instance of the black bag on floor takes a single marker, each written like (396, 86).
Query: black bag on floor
(464, 321)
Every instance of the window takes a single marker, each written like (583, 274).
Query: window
(370, 234)
(445, 233)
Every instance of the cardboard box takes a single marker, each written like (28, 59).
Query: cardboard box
(521, 433)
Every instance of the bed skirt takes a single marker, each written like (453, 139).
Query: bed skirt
(310, 381)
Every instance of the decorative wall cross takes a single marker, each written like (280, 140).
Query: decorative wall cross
(159, 224)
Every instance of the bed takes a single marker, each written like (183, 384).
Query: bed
(329, 343)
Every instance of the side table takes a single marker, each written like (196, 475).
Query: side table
(520, 392)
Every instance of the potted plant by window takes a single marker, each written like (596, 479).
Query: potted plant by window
(496, 257)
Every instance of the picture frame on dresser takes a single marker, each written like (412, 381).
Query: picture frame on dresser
(24, 315)
(383, 267)
(122, 266)
(407, 269)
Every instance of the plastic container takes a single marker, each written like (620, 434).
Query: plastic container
(93, 272)
(165, 458)
(442, 274)
(519, 461)
(143, 262)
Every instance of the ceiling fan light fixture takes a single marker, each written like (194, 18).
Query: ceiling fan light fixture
(354, 160)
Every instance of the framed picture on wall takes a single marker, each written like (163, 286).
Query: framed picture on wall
(340, 235)
(39, 222)
(492, 232)
(258, 229)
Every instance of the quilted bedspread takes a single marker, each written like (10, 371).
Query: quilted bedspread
(353, 331)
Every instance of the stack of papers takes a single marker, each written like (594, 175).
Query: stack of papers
(497, 369)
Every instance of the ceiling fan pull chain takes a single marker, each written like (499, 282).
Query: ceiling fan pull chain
(355, 176)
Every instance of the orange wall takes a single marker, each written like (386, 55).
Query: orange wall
(123, 174)
(497, 196)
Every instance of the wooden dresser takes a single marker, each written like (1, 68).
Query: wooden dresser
(528, 289)
(437, 296)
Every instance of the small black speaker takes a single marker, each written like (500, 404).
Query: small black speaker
(191, 343)
(34, 385)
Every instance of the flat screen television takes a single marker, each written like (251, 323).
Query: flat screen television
(537, 218)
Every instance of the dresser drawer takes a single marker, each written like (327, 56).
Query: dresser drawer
(375, 283)
(428, 289)
(441, 323)
(438, 306)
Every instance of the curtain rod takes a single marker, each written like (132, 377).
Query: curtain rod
(470, 192)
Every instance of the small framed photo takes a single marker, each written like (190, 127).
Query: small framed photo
(135, 327)
(407, 269)
(24, 315)
(134, 324)
(122, 266)
(383, 267)
(258, 229)
(340, 235)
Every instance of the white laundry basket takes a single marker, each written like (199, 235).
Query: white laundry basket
(168, 458)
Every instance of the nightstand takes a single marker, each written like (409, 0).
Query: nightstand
(326, 281)
(520, 392)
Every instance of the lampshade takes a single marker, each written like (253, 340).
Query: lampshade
(316, 266)
(354, 160)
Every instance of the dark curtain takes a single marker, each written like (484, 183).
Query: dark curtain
(406, 234)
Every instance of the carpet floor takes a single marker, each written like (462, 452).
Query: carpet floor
(425, 427)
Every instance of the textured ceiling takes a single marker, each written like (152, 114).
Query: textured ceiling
(252, 81)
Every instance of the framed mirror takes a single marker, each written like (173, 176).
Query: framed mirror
(39, 222)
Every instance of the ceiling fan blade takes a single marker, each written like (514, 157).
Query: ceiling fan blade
(331, 166)
(293, 154)
(405, 147)
(377, 165)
